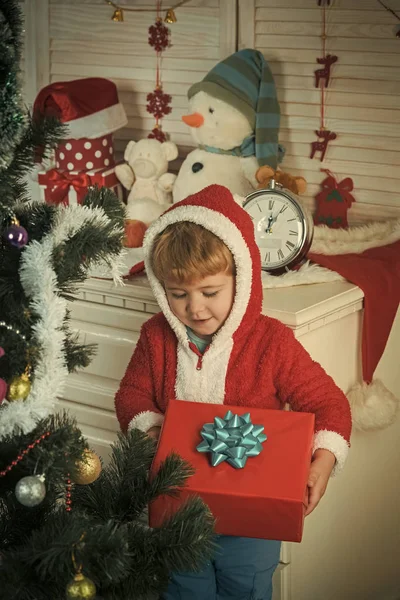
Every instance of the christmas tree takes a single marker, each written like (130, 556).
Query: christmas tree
(68, 528)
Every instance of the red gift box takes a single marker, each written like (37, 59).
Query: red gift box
(71, 187)
(85, 154)
(266, 498)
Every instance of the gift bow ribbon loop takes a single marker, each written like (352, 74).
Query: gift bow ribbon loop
(233, 439)
(59, 184)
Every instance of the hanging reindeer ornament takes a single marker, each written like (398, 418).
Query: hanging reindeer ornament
(325, 137)
(325, 73)
(322, 79)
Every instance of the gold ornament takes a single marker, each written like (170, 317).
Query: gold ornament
(88, 469)
(19, 388)
(118, 15)
(170, 16)
(81, 588)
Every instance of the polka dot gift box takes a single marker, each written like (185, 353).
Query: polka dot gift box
(91, 109)
(85, 154)
(71, 187)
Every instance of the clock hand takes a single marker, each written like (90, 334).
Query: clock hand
(270, 221)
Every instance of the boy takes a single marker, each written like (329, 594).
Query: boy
(211, 344)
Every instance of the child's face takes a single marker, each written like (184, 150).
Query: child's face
(203, 305)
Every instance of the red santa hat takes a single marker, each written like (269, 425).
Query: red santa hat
(369, 257)
(90, 107)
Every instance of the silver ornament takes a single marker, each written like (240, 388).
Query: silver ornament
(30, 490)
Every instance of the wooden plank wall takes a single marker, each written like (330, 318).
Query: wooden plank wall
(362, 101)
(85, 42)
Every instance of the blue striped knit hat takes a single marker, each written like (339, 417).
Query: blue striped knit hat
(244, 80)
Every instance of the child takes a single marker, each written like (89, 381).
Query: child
(211, 344)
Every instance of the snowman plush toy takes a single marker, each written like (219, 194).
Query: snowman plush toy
(234, 120)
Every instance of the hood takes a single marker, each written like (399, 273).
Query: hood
(215, 209)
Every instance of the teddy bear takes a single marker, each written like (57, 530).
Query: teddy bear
(234, 121)
(150, 185)
(264, 174)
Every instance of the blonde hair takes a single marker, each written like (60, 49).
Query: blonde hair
(185, 251)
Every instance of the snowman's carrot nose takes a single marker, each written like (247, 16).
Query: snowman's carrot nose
(193, 120)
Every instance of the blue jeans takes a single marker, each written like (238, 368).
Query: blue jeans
(242, 569)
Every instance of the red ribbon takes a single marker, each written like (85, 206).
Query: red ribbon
(58, 184)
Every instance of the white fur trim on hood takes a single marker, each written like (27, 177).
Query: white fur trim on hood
(227, 231)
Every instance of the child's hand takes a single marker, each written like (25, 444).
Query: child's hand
(321, 467)
(154, 432)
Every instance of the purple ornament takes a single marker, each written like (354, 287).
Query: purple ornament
(3, 384)
(16, 236)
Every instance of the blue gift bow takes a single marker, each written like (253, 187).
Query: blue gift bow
(233, 438)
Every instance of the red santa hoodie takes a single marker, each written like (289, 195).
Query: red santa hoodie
(252, 361)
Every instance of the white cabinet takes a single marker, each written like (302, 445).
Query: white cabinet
(350, 548)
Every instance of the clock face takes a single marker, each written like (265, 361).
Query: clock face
(279, 225)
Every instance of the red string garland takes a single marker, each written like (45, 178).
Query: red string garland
(322, 79)
(158, 101)
(68, 500)
(24, 453)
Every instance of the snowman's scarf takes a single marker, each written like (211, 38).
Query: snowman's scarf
(247, 148)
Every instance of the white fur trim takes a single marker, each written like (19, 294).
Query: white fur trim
(372, 406)
(99, 123)
(39, 282)
(223, 227)
(308, 273)
(355, 239)
(146, 420)
(206, 384)
(335, 443)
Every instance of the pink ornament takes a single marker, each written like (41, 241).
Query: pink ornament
(321, 146)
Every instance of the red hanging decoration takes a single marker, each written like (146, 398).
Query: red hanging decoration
(322, 2)
(325, 73)
(321, 146)
(322, 76)
(158, 36)
(24, 453)
(158, 103)
(333, 201)
(68, 493)
(158, 134)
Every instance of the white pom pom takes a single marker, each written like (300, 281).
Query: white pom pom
(373, 406)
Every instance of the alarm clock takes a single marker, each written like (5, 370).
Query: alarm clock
(282, 226)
